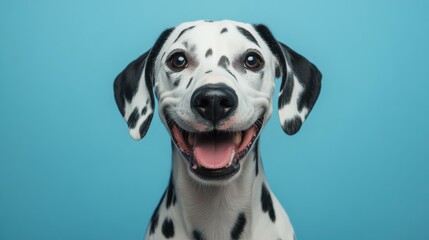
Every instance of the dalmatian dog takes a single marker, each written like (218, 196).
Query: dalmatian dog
(214, 82)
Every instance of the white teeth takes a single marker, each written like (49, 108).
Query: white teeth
(237, 138)
(194, 166)
(191, 139)
(231, 158)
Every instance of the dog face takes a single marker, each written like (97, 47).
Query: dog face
(214, 83)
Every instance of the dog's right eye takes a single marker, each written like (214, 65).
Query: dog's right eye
(253, 61)
(178, 61)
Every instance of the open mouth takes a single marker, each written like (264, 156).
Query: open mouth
(215, 155)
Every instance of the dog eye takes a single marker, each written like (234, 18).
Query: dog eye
(178, 61)
(253, 61)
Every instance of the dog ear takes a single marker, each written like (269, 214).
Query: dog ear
(301, 82)
(133, 90)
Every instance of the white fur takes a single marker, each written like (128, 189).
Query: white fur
(212, 207)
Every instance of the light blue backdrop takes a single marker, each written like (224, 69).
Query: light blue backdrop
(358, 169)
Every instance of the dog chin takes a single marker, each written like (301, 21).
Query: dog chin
(214, 156)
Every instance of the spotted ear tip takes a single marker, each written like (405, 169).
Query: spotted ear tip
(292, 126)
(140, 130)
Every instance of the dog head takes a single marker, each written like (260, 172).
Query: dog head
(214, 83)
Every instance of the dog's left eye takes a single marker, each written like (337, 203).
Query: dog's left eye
(253, 61)
(178, 61)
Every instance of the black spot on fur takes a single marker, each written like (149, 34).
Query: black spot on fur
(231, 73)
(182, 32)
(176, 82)
(163, 55)
(277, 71)
(145, 125)
(248, 35)
(209, 52)
(286, 93)
(133, 118)
(256, 167)
(197, 235)
(144, 110)
(168, 228)
(189, 82)
(256, 158)
(154, 222)
(223, 62)
(174, 199)
(267, 203)
(193, 48)
(170, 194)
(261, 74)
(238, 228)
(292, 126)
(155, 217)
(224, 30)
(209, 71)
(168, 73)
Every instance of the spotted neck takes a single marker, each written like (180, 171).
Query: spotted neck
(218, 212)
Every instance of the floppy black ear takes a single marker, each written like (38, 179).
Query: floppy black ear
(301, 82)
(133, 90)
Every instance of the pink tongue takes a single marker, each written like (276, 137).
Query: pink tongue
(214, 151)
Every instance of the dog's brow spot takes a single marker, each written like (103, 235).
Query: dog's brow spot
(248, 35)
(163, 55)
(209, 52)
(193, 48)
(185, 43)
(223, 62)
(182, 32)
(209, 71)
(189, 82)
(224, 30)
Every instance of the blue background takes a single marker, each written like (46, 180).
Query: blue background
(358, 169)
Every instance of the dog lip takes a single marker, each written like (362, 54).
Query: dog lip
(184, 141)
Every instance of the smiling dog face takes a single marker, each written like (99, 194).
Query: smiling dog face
(214, 83)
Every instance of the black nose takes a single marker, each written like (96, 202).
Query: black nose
(214, 102)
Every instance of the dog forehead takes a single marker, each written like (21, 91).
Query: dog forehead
(225, 34)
